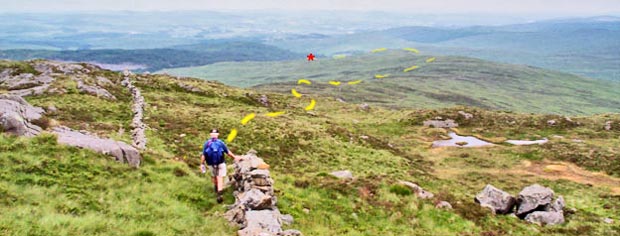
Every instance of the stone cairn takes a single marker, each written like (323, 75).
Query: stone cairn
(255, 210)
(138, 127)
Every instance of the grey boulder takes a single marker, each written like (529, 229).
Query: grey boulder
(16, 116)
(545, 218)
(533, 198)
(121, 151)
(499, 201)
(342, 174)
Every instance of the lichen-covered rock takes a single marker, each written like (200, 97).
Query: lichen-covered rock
(264, 100)
(443, 205)
(290, 232)
(256, 200)
(342, 174)
(607, 125)
(532, 198)
(94, 90)
(16, 116)
(493, 198)
(419, 191)
(364, 107)
(121, 151)
(557, 206)
(286, 219)
(466, 115)
(263, 222)
(449, 123)
(31, 91)
(23, 81)
(545, 218)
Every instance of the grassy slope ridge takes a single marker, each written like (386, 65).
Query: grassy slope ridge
(448, 81)
(46, 188)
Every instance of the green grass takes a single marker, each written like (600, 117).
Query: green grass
(446, 82)
(51, 189)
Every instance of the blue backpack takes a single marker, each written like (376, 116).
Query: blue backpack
(214, 152)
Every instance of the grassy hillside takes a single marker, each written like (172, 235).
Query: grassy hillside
(47, 188)
(447, 81)
(587, 47)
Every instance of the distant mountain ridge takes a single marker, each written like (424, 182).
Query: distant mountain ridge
(160, 58)
(583, 46)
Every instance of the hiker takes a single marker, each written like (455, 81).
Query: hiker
(213, 154)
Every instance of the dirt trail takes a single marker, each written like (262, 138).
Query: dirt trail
(563, 170)
(552, 170)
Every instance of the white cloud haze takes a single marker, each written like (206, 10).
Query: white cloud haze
(518, 7)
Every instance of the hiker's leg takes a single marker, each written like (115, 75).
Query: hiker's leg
(220, 183)
(221, 173)
(214, 180)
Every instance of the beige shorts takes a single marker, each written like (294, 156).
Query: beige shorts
(221, 170)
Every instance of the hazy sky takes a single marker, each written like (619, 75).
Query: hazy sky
(519, 7)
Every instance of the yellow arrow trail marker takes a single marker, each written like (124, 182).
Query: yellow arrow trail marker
(354, 82)
(339, 56)
(295, 93)
(410, 68)
(411, 50)
(432, 59)
(248, 118)
(379, 76)
(231, 135)
(378, 50)
(275, 114)
(311, 106)
(304, 81)
(334, 83)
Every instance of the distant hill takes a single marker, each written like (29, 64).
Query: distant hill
(155, 59)
(588, 46)
(448, 81)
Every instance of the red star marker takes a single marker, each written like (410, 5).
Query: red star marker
(310, 57)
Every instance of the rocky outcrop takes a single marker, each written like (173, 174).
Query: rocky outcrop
(495, 199)
(25, 84)
(443, 205)
(449, 123)
(364, 107)
(94, 90)
(607, 126)
(534, 204)
(255, 209)
(264, 100)
(138, 127)
(342, 174)
(419, 191)
(466, 115)
(16, 116)
(189, 88)
(120, 150)
(22, 81)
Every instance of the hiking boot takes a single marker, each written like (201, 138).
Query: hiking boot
(220, 199)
